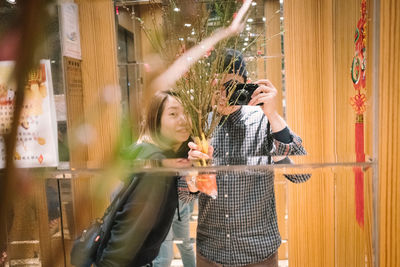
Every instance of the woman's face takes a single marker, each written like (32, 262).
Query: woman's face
(175, 128)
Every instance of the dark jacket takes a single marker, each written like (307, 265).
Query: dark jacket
(143, 223)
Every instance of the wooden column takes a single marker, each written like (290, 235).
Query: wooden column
(99, 108)
(389, 133)
(309, 62)
(273, 72)
(101, 92)
(273, 47)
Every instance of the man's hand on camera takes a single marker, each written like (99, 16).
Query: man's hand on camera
(265, 94)
(195, 153)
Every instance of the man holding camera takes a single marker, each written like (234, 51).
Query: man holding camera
(240, 228)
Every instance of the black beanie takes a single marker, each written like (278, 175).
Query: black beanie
(238, 66)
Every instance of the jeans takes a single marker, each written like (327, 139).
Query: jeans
(179, 231)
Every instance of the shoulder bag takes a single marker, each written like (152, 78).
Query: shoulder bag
(85, 249)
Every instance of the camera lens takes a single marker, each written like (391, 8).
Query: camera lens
(241, 97)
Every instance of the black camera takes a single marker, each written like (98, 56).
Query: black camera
(242, 93)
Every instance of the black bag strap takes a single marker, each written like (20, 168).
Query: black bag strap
(116, 205)
(131, 183)
(122, 195)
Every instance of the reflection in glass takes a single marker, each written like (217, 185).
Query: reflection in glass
(339, 221)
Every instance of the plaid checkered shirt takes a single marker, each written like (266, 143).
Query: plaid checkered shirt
(240, 227)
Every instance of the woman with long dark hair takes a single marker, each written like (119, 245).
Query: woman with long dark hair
(145, 219)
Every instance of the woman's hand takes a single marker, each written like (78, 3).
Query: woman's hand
(239, 21)
(195, 153)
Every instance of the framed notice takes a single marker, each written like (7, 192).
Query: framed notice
(70, 38)
(37, 144)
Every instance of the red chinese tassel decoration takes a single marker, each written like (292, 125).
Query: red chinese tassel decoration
(358, 69)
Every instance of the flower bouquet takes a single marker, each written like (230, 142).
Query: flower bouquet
(197, 72)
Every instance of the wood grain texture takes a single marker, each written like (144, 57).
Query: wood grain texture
(389, 133)
(273, 48)
(353, 243)
(309, 65)
(101, 94)
(74, 99)
(319, 46)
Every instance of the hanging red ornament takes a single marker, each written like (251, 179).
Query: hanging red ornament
(358, 101)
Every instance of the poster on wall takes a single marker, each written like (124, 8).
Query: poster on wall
(37, 144)
(70, 38)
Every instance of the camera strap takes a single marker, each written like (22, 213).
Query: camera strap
(269, 142)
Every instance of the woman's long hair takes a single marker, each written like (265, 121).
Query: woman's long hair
(151, 126)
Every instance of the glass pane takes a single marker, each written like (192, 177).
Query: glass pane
(322, 208)
(330, 213)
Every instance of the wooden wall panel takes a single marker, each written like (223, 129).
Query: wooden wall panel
(309, 80)
(309, 65)
(281, 212)
(319, 46)
(96, 111)
(353, 243)
(26, 236)
(345, 14)
(389, 133)
(352, 246)
(82, 203)
(311, 220)
(273, 48)
(74, 100)
(100, 79)
(273, 72)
